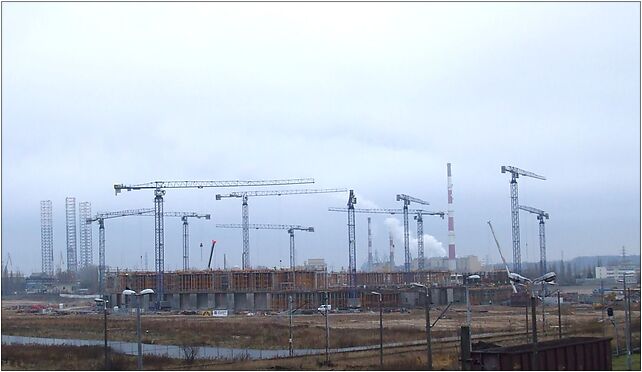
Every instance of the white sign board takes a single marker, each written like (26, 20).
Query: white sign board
(219, 313)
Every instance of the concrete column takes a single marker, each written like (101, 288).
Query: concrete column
(250, 301)
(450, 295)
(174, 301)
(211, 300)
(191, 301)
(229, 304)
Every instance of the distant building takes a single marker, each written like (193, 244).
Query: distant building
(39, 283)
(467, 264)
(616, 273)
(317, 264)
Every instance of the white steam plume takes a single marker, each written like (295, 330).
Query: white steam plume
(432, 246)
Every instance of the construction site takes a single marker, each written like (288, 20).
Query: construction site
(249, 289)
(252, 303)
(269, 290)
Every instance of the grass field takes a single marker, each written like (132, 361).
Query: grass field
(37, 357)
(619, 363)
(271, 332)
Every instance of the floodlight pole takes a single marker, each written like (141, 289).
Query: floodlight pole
(627, 322)
(559, 314)
(428, 300)
(534, 320)
(106, 345)
(138, 333)
(380, 329)
(290, 345)
(138, 295)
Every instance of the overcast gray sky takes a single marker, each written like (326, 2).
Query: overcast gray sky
(377, 97)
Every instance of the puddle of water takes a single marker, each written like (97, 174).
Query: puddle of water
(172, 351)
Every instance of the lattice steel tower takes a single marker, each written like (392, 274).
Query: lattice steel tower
(86, 251)
(46, 237)
(352, 245)
(514, 211)
(70, 210)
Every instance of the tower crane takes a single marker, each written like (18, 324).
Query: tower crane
(245, 216)
(101, 217)
(420, 236)
(289, 228)
(406, 235)
(184, 216)
(418, 217)
(352, 248)
(9, 263)
(514, 210)
(541, 215)
(159, 188)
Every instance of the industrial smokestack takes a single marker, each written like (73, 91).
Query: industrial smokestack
(391, 261)
(369, 246)
(451, 223)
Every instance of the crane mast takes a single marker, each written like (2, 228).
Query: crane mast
(101, 217)
(541, 215)
(245, 214)
(406, 233)
(184, 218)
(352, 245)
(514, 207)
(159, 231)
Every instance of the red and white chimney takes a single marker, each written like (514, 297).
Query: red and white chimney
(452, 264)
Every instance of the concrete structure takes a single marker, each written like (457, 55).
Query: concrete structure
(268, 290)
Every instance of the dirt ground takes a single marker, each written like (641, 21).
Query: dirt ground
(271, 332)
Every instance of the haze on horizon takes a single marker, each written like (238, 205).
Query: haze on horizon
(375, 97)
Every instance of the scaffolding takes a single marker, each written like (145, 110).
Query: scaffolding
(46, 237)
(86, 253)
(70, 212)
